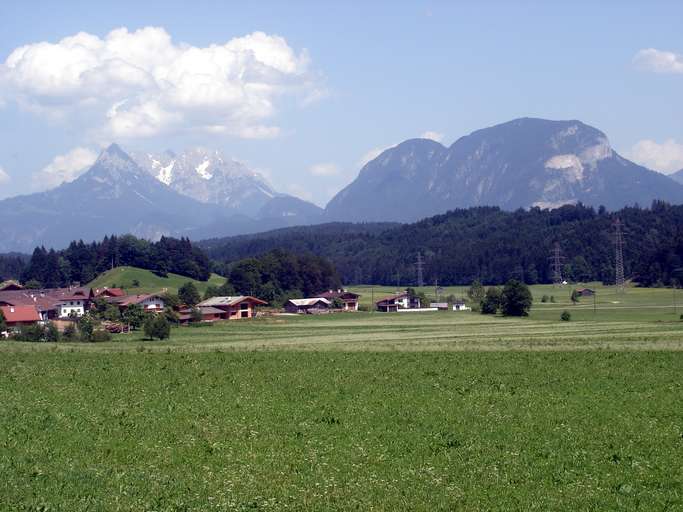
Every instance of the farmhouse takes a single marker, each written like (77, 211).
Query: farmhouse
(397, 301)
(233, 308)
(16, 316)
(349, 299)
(153, 303)
(312, 306)
(585, 292)
(51, 303)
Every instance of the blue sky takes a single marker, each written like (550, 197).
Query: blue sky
(341, 82)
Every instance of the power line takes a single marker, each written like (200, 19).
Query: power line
(556, 259)
(619, 280)
(419, 264)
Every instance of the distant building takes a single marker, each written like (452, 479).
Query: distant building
(441, 306)
(459, 305)
(233, 308)
(397, 301)
(208, 314)
(151, 302)
(11, 285)
(585, 292)
(311, 306)
(51, 303)
(349, 299)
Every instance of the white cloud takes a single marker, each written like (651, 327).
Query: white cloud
(438, 137)
(142, 83)
(324, 169)
(666, 157)
(64, 168)
(4, 177)
(658, 61)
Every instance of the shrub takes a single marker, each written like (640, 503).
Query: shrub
(86, 327)
(566, 316)
(516, 299)
(100, 335)
(575, 297)
(33, 333)
(52, 333)
(545, 298)
(70, 333)
(552, 298)
(134, 316)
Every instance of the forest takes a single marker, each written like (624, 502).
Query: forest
(488, 244)
(458, 247)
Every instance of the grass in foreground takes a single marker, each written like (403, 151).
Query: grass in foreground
(341, 431)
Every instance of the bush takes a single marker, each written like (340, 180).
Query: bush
(33, 333)
(545, 298)
(552, 298)
(52, 333)
(70, 332)
(86, 327)
(100, 335)
(566, 316)
(516, 299)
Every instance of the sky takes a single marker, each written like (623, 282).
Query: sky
(307, 92)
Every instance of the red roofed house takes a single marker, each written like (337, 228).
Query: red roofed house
(51, 303)
(242, 306)
(20, 315)
(396, 302)
(151, 302)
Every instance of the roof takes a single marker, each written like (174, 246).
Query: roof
(111, 292)
(43, 299)
(309, 302)
(392, 297)
(127, 300)
(10, 284)
(20, 314)
(338, 294)
(229, 301)
(205, 310)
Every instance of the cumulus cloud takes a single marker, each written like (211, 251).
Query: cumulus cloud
(324, 169)
(64, 168)
(142, 83)
(4, 177)
(658, 61)
(438, 137)
(666, 157)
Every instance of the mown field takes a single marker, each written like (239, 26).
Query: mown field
(356, 411)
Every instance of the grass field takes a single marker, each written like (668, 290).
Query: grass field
(123, 277)
(341, 431)
(356, 411)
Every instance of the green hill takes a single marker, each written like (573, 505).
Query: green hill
(126, 277)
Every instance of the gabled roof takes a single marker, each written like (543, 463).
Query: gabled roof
(230, 301)
(20, 314)
(392, 297)
(44, 299)
(111, 292)
(10, 285)
(309, 302)
(205, 310)
(127, 300)
(334, 294)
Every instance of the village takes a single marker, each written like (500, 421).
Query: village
(64, 307)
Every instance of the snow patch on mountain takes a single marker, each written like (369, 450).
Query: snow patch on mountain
(202, 170)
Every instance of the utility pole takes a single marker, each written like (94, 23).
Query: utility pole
(419, 264)
(619, 280)
(556, 264)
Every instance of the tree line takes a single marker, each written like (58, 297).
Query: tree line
(486, 244)
(81, 262)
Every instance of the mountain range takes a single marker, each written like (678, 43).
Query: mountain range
(201, 193)
(523, 163)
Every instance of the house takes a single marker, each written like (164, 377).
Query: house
(151, 302)
(241, 306)
(311, 306)
(16, 316)
(585, 292)
(51, 303)
(349, 299)
(459, 305)
(397, 301)
(441, 306)
(101, 293)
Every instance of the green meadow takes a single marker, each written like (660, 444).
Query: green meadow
(357, 411)
(147, 281)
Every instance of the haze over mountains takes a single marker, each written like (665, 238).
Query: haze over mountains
(201, 193)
